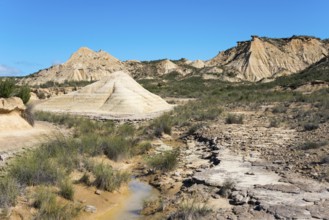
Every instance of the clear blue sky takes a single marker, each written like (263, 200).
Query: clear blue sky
(34, 34)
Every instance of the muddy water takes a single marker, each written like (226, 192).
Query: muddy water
(130, 208)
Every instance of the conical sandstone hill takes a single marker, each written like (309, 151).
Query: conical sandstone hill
(268, 57)
(83, 65)
(117, 95)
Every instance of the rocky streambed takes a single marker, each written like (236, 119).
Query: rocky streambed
(238, 185)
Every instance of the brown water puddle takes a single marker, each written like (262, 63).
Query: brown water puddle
(125, 204)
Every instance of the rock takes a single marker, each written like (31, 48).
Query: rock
(90, 209)
(115, 96)
(264, 57)
(98, 192)
(8, 105)
(11, 119)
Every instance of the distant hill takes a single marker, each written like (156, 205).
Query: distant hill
(264, 57)
(83, 65)
(258, 59)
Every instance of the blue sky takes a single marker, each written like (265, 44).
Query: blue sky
(35, 34)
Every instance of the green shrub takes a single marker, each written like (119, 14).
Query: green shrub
(116, 147)
(24, 93)
(8, 192)
(107, 178)
(43, 194)
(142, 148)
(164, 161)
(66, 189)
(33, 169)
(162, 125)
(191, 210)
(7, 88)
(46, 164)
(234, 119)
(50, 208)
(126, 130)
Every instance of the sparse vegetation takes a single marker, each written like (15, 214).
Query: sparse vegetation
(164, 161)
(191, 210)
(24, 93)
(7, 88)
(162, 125)
(66, 189)
(8, 192)
(279, 109)
(312, 145)
(107, 178)
(116, 147)
(234, 119)
(49, 208)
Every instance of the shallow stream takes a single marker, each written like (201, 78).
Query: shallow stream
(131, 207)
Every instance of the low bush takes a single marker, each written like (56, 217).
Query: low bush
(234, 119)
(164, 161)
(24, 93)
(162, 125)
(312, 145)
(142, 148)
(192, 130)
(279, 109)
(47, 164)
(50, 208)
(191, 210)
(66, 189)
(8, 192)
(116, 147)
(7, 88)
(34, 169)
(107, 178)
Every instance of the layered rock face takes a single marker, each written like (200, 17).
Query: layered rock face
(267, 57)
(83, 65)
(160, 67)
(117, 95)
(10, 115)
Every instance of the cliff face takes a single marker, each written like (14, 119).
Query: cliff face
(83, 65)
(267, 57)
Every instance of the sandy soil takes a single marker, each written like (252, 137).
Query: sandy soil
(12, 141)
